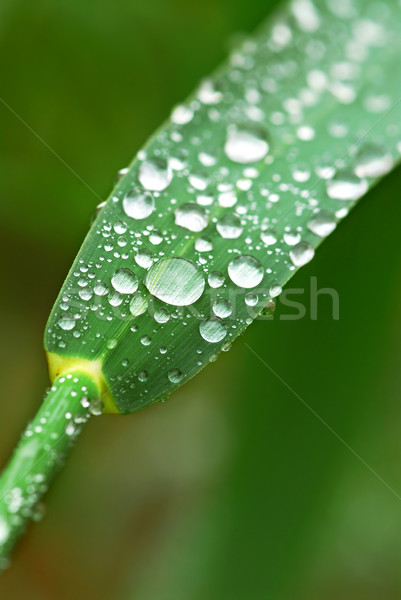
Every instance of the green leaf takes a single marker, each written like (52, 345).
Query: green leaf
(229, 198)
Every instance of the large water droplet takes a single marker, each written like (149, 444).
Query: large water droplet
(138, 204)
(213, 330)
(155, 174)
(245, 271)
(301, 254)
(373, 161)
(245, 145)
(229, 226)
(176, 281)
(124, 281)
(191, 216)
(322, 224)
(345, 185)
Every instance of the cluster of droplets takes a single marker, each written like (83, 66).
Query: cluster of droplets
(236, 192)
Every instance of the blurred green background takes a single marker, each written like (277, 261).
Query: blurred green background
(233, 489)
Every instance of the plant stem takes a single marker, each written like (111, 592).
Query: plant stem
(41, 452)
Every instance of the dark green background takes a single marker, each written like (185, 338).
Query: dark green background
(233, 489)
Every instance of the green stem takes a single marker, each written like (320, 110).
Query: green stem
(41, 452)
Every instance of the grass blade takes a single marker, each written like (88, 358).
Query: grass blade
(229, 198)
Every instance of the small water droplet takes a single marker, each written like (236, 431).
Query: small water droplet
(124, 281)
(373, 161)
(229, 226)
(138, 304)
(245, 145)
(292, 237)
(222, 308)
(144, 259)
(96, 407)
(182, 114)
(215, 279)
(269, 237)
(176, 281)
(213, 330)
(346, 185)
(67, 322)
(146, 340)
(191, 216)
(322, 224)
(175, 375)
(251, 299)
(203, 244)
(245, 271)
(143, 376)
(138, 204)
(301, 254)
(155, 174)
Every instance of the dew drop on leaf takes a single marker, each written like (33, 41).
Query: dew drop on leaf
(346, 185)
(245, 271)
(373, 161)
(229, 226)
(301, 254)
(213, 330)
(245, 145)
(155, 174)
(124, 281)
(138, 204)
(322, 224)
(176, 281)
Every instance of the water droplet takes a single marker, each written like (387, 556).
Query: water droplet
(191, 216)
(275, 290)
(213, 330)
(138, 204)
(229, 226)
(146, 340)
(251, 299)
(208, 92)
(292, 237)
(373, 161)
(67, 322)
(100, 289)
(345, 185)
(143, 376)
(301, 254)
(245, 271)
(203, 244)
(182, 114)
(161, 315)
(268, 237)
(155, 238)
(155, 174)
(245, 145)
(222, 308)
(96, 407)
(176, 281)
(124, 281)
(322, 224)
(144, 259)
(138, 304)
(4, 531)
(175, 375)
(215, 279)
